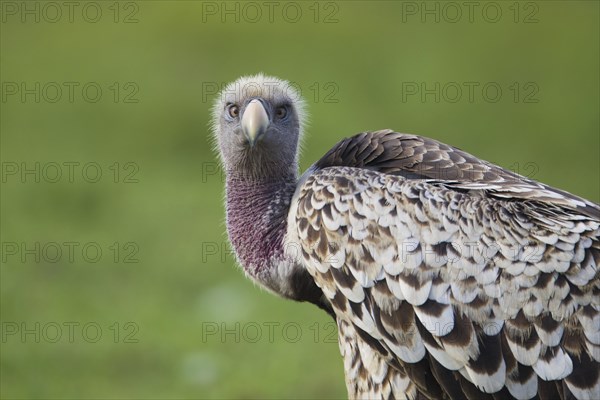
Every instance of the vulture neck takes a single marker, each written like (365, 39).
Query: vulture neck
(257, 219)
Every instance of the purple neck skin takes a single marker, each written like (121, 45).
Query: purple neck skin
(257, 219)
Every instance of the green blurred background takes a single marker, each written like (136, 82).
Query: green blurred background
(168, 321)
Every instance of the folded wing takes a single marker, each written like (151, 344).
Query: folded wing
(480, 283)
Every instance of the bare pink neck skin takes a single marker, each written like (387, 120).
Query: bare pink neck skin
(257, 219)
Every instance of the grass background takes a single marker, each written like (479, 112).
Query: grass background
(186, 282)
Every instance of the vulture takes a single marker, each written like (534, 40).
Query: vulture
(448, 277)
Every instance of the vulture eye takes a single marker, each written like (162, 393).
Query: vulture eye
(233, 110)
(281, 112)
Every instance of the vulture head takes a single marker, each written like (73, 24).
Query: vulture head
(257, 121)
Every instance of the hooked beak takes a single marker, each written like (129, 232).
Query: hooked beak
(255, 121)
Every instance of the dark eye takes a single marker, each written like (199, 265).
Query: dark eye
(281, 112)
(233, 110)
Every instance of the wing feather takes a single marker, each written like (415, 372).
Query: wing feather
(500, 293)
(413, 156)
